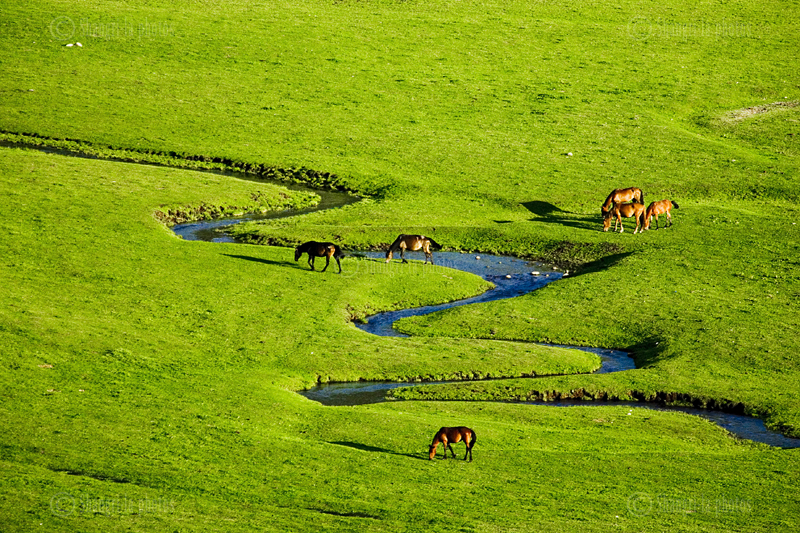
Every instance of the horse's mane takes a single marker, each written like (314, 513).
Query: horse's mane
(396, 242)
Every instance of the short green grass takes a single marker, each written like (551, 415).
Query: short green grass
(148, 383)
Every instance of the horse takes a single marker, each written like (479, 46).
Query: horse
(658, 208)
(319, 249)
(446, 436)
(412, 243)
(625, 210)
(619, 196)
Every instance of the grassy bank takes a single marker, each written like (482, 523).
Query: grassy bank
(147, 382)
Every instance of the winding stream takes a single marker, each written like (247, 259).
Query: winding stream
(512, 277)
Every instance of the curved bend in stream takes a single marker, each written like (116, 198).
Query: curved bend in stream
(512, 277)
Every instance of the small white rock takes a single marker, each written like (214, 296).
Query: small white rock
(70, 45)
(534, 273)
(508, 276)
(79, 44)
(569, 154)
(477, 257)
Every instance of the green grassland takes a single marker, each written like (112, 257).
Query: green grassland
(148, 383)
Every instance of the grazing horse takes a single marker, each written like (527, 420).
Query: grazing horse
(319, 249)
(619, 196)
(446, 436)
(658, 208)
(412, 243)
(625, 210)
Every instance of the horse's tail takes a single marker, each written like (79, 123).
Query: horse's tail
(675, 205)
(434, 244)
(474, 439)
(337, 252)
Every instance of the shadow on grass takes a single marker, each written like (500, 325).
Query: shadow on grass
(542, 209)
(264, 261)
(648, 352)
(601, 264)
(550, 214)
(375, 449)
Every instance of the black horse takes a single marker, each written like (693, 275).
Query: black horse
(320, 249)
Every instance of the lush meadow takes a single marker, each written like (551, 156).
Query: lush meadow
(149, 383)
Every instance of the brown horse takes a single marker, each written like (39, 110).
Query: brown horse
(446, 436)
(412, 243)
(619, 196)
(625, 210)
(319, 249)
(662, 207)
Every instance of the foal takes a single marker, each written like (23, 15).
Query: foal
(662, 207)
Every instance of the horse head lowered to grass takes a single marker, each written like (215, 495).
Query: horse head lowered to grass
(319, 249)
(625, 210)
(446, 436)
(412, 243)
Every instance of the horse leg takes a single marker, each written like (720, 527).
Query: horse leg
(403, 254)
(619, 222)
(451, 451)
(311, 261)
(327, 262)
(338, 263)
(669, 219)
(444, 444)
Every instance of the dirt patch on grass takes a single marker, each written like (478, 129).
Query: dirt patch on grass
(739, 115)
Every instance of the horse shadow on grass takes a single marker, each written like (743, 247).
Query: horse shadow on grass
(650, 349)
(265, 261)
(601, 264)
(375, 449)
(550, 214)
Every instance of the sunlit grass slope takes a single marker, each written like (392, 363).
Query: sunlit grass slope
(147, 382)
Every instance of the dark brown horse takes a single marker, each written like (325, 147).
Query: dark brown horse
(319, 249)
(619, 196)
(446, 436)
(412, 243)
(662, 207)
(625, 210)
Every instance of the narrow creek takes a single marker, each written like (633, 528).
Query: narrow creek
(512, 277)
